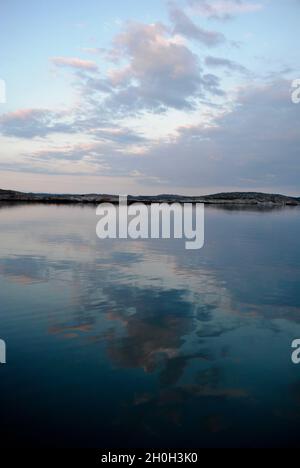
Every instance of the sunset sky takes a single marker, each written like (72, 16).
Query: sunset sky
(129, 96)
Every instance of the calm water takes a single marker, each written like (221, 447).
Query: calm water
(146, 344)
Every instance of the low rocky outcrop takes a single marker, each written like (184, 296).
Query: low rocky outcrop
(233, 198)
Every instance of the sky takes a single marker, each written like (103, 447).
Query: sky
(133, 97)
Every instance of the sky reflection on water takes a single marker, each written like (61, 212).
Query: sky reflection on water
(143, 343)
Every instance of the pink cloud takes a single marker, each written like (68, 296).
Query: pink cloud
(23, 114)
(74, 62)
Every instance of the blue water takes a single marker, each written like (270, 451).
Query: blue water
(146, 344)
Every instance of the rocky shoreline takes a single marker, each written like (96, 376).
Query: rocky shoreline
(232, 198)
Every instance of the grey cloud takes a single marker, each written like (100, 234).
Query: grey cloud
(31, 123)
(118, 135)
(218, 62)
(255, 145)
(91, 84)
(100, 159)
(185, 26)
(161, 72)
(68, 153)
(223, 10)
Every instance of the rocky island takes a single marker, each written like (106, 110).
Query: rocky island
(232, 198)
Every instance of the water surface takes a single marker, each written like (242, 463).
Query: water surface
(144, 343)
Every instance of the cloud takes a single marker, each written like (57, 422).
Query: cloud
(117, 134)
(151, 69)
(223, 9)
(161, 71)
(31, 123)
(94, 50)
(252, 147)
(184, 25)
(68, 152)
(75, 63)
(105, 158)
(256, 144)
(218, 62)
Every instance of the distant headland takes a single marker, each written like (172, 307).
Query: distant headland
(232, 198)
